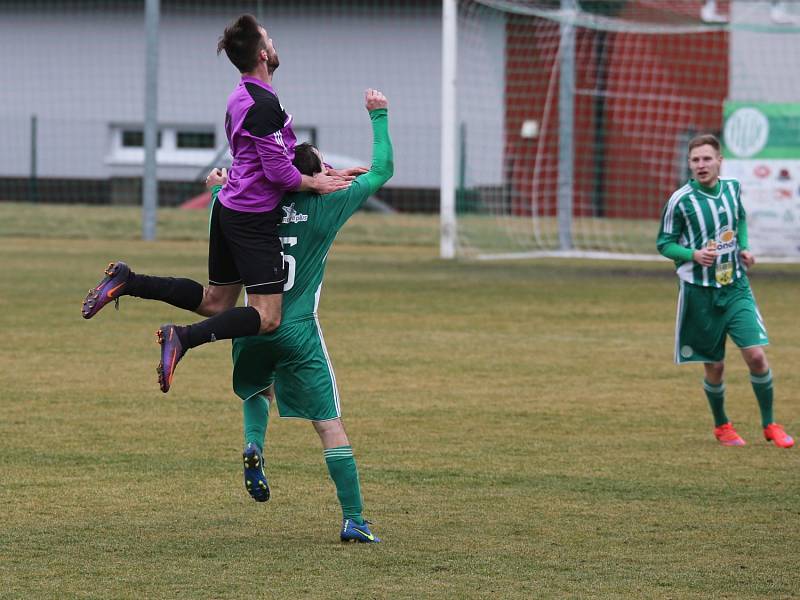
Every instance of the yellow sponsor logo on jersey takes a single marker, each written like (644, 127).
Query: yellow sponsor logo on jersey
(724, 273)
(725, 243)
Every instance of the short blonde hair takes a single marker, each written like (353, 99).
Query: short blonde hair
(705, 139)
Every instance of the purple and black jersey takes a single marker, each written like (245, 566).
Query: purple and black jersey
(262, 144)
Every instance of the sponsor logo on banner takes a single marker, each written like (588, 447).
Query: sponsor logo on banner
(746, 131)
(761, 171)
(762, 150)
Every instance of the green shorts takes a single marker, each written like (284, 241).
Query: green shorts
(294, 357)
(707, 315)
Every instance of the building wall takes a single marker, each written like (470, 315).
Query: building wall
(764, 57)
(83, 70)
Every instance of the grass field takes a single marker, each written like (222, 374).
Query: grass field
(520, 429)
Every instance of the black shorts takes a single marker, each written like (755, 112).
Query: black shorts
(244, 247)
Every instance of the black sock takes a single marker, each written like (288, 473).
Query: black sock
(183, 293)
(239, 321)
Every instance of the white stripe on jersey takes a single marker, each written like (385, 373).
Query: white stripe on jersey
(729, 211)
(687, 230)
(317, 294)
(759, 318)
(330, 366)
(686, 270)
(715, 218)
(278, 136)
(671, 203)
(703, 230)
(735, 196)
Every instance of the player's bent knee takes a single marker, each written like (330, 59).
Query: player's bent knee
(331, 433)
(217, 299)
(756, 360)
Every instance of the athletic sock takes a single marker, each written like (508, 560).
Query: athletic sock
(183, 293)
(236, 322)
(256, 416)
(343, 471)
(762, 386)
(716, 399)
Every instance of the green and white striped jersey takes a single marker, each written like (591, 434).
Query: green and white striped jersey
(697, 217)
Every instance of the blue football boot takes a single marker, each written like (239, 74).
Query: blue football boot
(353, 532)
(254, 479)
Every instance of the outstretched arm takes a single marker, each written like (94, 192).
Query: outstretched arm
(382, 167)
(349, 201)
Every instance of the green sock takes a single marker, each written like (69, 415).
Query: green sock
(762, 386)
(343, 471)
(716, 399)
(256, 415)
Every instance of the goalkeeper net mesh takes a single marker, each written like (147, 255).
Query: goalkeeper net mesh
(573, 119)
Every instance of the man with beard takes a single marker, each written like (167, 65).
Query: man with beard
(244, 249)
(293, 359)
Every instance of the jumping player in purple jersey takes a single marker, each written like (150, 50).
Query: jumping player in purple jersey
(244, 248)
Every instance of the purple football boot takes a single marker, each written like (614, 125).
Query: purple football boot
(110, 288)
(172, 351)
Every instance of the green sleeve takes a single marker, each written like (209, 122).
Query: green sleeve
(382, 167)
(676, 252)
(667, 243)
(350, 200)
(741, 233)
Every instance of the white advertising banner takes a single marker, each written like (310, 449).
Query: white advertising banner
(762, 150)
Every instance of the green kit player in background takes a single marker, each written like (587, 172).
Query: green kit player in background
(704, 230)
(294, 357)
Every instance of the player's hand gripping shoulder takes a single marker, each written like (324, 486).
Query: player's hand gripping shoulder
(375, 99)
(347, 174)
(217, 177)
(323, 183)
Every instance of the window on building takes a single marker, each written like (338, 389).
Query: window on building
(178, 145)
(134, 138)
(195, 139)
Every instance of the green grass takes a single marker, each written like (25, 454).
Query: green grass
(520, 429)
(498, 234)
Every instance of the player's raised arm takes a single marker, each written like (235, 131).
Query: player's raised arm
(382, 167)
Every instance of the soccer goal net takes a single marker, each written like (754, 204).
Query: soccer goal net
(569, 120)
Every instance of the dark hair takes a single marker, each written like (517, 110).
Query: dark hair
(242, 41)
(704, 140)
(306, 160)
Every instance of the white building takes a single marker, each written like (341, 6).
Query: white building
(79, 71)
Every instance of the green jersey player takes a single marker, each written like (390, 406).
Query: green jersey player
(294, 357)
(704, 230)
